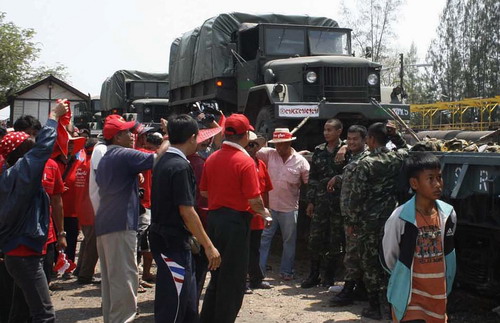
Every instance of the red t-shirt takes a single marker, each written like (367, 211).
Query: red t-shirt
(230, 177)
(265, 185)
(146, 185)
(53, 184)
(69, 197)
(84, 209)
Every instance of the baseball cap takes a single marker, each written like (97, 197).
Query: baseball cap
(115, 125)
(237, 124)
(112, 117)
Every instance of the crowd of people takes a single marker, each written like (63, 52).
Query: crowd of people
(202, 195)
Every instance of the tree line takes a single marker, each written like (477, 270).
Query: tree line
(463, 58)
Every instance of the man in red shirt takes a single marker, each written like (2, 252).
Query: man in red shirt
(257, 224)
(68, 166)
(147, 142)
(231, 184)
(87, 256)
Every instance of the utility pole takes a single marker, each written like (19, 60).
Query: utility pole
(401, 71)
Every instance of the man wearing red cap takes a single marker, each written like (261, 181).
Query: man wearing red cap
(99, 150)
(117, 219)
(231, 184)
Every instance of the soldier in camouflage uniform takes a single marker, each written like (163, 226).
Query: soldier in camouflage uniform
(356, 139)
(326, 237)
(371, 201)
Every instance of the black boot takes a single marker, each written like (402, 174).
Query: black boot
(332, 266)
(373, 311)
(345, 297)
(360, 291)
(313, 278)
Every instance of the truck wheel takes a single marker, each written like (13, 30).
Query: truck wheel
(266, 122)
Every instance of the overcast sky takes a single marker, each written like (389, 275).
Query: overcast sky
(94, 38)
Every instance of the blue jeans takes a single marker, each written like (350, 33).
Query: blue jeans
(287, 222)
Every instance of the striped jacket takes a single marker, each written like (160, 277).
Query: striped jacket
(398, 248)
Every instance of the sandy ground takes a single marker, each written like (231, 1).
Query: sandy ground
(286, 302)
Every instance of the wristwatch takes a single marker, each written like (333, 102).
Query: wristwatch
(62, 234)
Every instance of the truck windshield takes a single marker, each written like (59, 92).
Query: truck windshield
(285, 41)
(326, 42)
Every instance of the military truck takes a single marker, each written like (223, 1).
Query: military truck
(277, 70)
(136, 95)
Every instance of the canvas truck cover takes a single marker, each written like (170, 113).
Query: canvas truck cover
(114, 92)
(203, 54)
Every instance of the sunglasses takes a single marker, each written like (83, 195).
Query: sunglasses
(252, 144)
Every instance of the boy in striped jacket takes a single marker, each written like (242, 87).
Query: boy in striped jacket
(418, 248)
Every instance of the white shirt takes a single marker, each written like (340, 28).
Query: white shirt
(99, 151)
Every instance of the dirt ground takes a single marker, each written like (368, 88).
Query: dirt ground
(286, 302)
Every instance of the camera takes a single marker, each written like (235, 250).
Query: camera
(204, 112)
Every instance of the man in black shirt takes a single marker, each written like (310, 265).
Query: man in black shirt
(173, 220)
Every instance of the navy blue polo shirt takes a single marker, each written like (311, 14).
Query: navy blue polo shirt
(116, 177)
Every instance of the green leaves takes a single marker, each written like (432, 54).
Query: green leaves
(18, 52)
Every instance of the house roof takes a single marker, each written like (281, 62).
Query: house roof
(52, 78)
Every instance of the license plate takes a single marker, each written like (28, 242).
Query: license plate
(298, 111)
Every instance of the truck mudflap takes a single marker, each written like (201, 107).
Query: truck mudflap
(472, 186)
(327, 110)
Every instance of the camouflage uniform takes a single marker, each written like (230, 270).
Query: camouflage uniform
(371, 202)
(351, 258)
(326, 237)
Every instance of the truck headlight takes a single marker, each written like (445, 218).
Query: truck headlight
(311, 77)
(373, 79)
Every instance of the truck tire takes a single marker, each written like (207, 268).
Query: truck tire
(266, 122)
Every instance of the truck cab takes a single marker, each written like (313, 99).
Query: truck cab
(288, 72)
(136, 95)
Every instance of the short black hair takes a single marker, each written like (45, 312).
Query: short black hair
(181, 128)
(359, 129)
(379, 132)
(335, 122)
(419, 161)
(25, 122)
(234, 138)
(20, 151)
(153, 139)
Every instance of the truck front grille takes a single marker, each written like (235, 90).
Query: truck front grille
(342, 84)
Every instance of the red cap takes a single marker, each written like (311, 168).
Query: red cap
(115, 125)
(11, 141)
(113, 116)
(237, 124)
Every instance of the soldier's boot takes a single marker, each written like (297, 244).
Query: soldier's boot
(313, 278)
(332, 265)
(360, 291)
(346, 295)
(373, 311)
